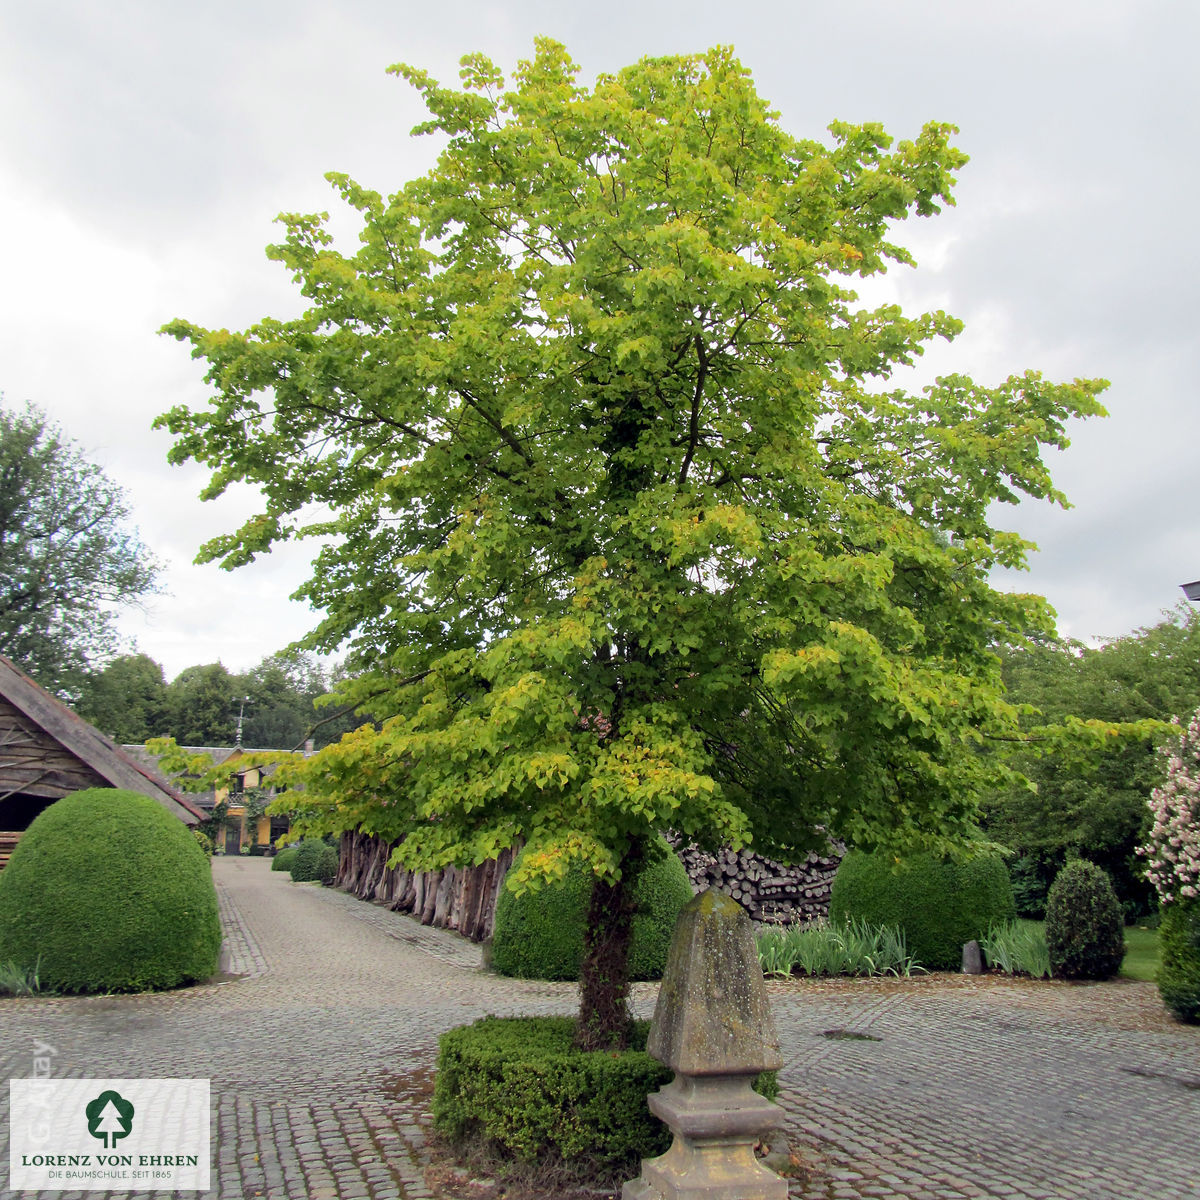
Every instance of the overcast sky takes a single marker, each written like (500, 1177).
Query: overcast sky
(145, 148)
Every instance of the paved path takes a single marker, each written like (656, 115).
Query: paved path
(320, 1045)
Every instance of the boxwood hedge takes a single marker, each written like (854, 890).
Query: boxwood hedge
(539, 935)
(938, 905)
(518, 1084)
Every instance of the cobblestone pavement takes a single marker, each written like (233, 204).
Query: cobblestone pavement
(320, 1038)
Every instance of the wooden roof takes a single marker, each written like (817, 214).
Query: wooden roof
(83, 742)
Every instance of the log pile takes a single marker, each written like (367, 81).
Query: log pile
(463, 899)
(771, 892)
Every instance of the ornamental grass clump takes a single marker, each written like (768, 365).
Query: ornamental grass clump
(108, 892)
(1085, 931)
(1172, 853)
(823, 949)
(1017, 948)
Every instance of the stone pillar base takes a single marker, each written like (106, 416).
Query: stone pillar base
(716, 1122)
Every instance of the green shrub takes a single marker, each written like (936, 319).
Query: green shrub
(824, 949)
(108, 892)
(939, 906)
(519, 1085)
(1085, 932)
(315, 860)
(203, 841)
(1179, 971)
(284, 859)
(1017, 948)
(539, 935)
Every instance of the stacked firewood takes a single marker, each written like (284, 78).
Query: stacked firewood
(771, 892)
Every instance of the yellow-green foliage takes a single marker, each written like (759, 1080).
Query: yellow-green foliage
(539, 934)
(937, 905)
(108, 892)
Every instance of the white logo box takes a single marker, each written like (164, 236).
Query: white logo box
(52, 1148)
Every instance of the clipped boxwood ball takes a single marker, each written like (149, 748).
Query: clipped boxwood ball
(314, 861)
(1179, 974)
(539, 935)
(939, 906)
(1085, 930)
(108, 892)
(284, 860)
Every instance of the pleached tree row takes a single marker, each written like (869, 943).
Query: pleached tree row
(464, 898)
(458, 898)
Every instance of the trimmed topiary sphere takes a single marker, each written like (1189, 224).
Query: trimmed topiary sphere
(1085, 932)
(315, 861)
(108, 892)
(1179, 971)
(938, 906)
(539, 935)
(284, 860)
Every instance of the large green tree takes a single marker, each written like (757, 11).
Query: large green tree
(1095, 809)
(68, 554)
(628, 527)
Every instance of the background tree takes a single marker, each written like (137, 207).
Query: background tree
(127, 699)
(68, 556)
(631, 531)
(202, 706)
(1095, 810)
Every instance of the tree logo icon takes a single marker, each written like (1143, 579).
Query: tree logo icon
(109, 1117)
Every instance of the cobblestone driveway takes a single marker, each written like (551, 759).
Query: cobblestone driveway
(320, 1051)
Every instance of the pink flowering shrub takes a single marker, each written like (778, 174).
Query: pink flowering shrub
(1172, 850)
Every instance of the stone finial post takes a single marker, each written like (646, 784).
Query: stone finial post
(713, 1027)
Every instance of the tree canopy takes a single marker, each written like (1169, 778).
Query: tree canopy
(628, 525)
(68, 555)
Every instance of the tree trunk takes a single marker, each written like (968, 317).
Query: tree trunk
(604, 1017)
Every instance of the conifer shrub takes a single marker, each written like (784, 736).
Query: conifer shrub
(1179, 969)
(539, 935)
(519, 1085)
(1085, 930)
(108, 892)
(938, 905)
(315, 861)
(284, 859)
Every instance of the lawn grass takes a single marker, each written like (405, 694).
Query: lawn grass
(1141, 951)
